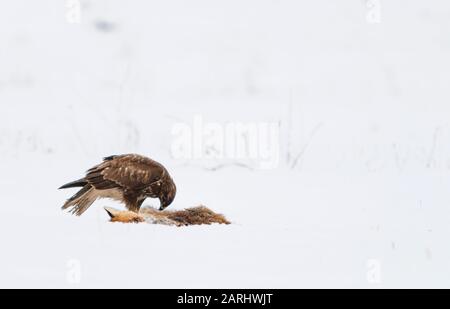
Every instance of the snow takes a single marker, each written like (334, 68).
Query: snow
(363, 106)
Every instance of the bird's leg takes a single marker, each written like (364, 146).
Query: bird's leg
(139, 203)
(133, 202)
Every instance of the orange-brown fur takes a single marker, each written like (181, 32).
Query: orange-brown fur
(124, 216)
(190, 216)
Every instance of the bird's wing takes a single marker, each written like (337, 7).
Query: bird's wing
(127, 171)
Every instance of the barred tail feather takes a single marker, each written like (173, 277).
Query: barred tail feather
(81, 201)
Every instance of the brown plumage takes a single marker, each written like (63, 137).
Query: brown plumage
(129, 178)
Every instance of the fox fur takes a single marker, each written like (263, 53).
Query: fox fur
(190, 216)
(124, 216)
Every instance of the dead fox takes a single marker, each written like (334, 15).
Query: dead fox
(190, 216)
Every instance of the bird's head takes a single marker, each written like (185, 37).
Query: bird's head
(167, 195)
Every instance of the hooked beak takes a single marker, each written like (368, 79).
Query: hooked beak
(161, 207)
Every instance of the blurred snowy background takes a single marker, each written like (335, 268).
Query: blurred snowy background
(359, 89)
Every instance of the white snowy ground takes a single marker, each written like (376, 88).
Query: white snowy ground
(366, 206)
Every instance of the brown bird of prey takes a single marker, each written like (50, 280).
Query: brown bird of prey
(129, 178)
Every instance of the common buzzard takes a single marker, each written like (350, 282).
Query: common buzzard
(129, 178)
